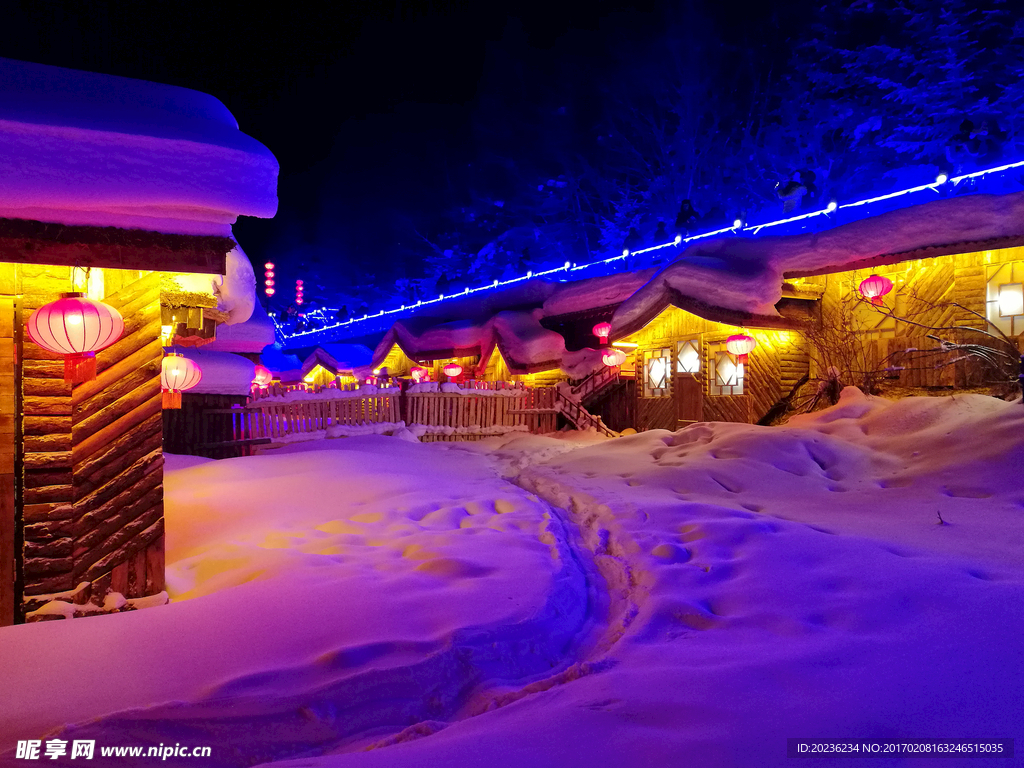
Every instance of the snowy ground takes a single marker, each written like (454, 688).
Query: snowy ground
(662, 599)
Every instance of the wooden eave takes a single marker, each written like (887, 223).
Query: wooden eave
(927, 252)
(712, 313)
(23, 241)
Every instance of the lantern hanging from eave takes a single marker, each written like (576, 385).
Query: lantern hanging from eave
(613, 358)
(177, 374)
(740, 345)
(262, 377)
(874, 288)
(76, 327)
(418, 373)
(452, 370)
(603, 331)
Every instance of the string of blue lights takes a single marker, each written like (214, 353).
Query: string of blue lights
(738, 227)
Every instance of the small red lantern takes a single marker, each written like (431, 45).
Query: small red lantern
(262, 377)
(418, 373)
(603, 331)
(76, 327)
(874, 288)
(740, 345)
(177, 373)
(613, 358)
(452, 370)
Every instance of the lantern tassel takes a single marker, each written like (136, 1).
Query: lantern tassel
(171, 398)
(80, 368)
(741, 359)
(878, 301)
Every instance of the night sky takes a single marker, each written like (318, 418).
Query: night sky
(369, 107)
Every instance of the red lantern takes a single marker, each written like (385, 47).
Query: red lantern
(177, 373)
(874, 288)
(418, 373)
(262, 377)
(452, 370)
(740, 345)
(602, 331)
(613, 358)
(76, 327)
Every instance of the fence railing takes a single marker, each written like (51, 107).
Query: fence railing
(280, 414)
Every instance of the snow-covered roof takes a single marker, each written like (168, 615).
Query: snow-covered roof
(223, 372)
(595, 292)
(524, 343)
(80, 148)
(739, 280)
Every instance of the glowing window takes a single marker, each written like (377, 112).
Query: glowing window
(729, 374)
(1011, 300)
(657, 369)
(1004, 297)
(687, 357)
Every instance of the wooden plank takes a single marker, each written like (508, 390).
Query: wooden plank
(95, 442)
(7, 550)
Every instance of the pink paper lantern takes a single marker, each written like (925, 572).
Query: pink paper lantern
(452, 370)
(262, 377)
(177, 374)
(603, 331)
(740, 345)
(418, 373)
(76, 327)
(613, 358)
(874, 288)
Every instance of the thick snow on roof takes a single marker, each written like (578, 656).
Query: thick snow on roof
(938, 224)
(524, 343)
(744, 274)
(596, 292)
(223, 372)
(87, 149)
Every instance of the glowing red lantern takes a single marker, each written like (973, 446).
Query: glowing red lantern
(740, 345)
(76, 327)
(613, 358)
(452, 370)
(418, 373)
(262, 377)
(602, 331)
(177, 373)
(874, 288)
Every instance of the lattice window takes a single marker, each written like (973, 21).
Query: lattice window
(688, 356)
(1004, 297)
(657, 372)
(728, 375)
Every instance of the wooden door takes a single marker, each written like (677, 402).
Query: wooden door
(689, 397)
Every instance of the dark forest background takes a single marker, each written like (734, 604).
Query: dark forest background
(428, 146)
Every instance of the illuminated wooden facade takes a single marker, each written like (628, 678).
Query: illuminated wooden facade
(81, 478)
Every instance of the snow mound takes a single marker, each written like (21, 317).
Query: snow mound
(86, 149)
(223, 372)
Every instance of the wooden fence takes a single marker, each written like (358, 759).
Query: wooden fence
(530, 408)
(221, 427)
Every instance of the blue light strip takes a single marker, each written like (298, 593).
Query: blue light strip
(569, 267)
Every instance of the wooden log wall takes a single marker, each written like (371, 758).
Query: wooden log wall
(925, 290)
(779, 361)
(9, 538)
(92, 482)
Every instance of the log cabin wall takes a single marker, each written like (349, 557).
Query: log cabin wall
(779, 361)
(91, 501)
(9, 539)
(924, 290)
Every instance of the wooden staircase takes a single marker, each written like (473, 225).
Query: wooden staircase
(594, 384)
(572, 408)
